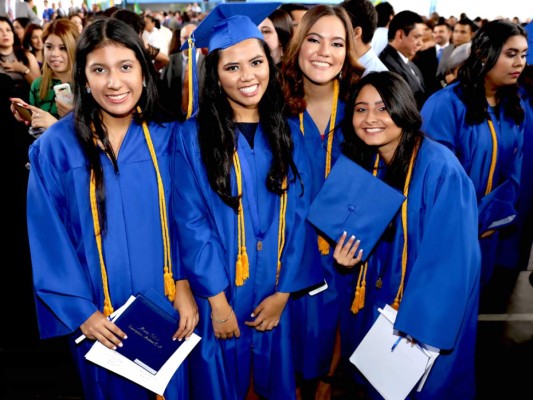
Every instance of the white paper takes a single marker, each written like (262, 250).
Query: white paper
(393, 373)
(116, 362)
(503, 221)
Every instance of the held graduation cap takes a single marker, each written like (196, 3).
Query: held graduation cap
(226, 25)
(353, 200)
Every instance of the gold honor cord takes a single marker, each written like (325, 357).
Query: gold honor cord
(190, 71)
(282, 226)
(323, 245)
(493, 158)
(242, 268)
(169, 283)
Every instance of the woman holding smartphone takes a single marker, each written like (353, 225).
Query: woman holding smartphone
(59, 39)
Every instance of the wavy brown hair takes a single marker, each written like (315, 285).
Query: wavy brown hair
(351, 72)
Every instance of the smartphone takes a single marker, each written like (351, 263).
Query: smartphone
(24, 113)
(64, 93)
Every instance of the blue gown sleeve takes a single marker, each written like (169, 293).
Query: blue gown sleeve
(201, 250)
(441, 286)
(439, 118)
(62, 289)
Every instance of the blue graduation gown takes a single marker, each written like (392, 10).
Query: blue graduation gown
(441, 292)
(220, 369)
(444, 120)
(316, 318)
(66, 267)
(515, 241)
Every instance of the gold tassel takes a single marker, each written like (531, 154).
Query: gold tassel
(360, 290)
(170, 285)
(323, 246)
(238, 271)
(396, 304)
(245, 264)
(158, 397)
(363, 293)
(355, 303)
(108, 308)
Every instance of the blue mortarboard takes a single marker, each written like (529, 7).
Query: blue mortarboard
(231, 23)
(529, 30)
(224, 26)
(353, 200)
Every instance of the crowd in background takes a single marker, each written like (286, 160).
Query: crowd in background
(463, 82)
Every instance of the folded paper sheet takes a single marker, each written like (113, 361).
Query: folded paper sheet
(391, 363)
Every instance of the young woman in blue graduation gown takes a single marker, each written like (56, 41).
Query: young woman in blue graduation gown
(318, 72)
(100, 180)
(242, 185)
(480, 117)
(436, 287)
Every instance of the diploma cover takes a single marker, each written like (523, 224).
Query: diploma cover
(149, 322)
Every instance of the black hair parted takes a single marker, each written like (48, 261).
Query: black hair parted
(401, 105)
(216, 131)
(486, 48)
(104, 32)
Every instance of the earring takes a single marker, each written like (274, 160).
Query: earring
(144, 83)
(340, 76)
(88, 90)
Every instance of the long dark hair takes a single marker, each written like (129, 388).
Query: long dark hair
(100, 33)
(18, 50)
(401, 106)
(293, 85)
(216, 131)
(486, 48)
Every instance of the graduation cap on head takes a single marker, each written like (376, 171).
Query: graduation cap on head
(353, 200)
(224, 26)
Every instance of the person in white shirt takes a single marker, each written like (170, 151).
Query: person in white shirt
(385, 15)
(364, 21)
(153, 35)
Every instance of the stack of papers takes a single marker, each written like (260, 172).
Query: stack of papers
(130, 364)
(392, 363)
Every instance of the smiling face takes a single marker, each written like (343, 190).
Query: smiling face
(323, 50)
(115, 78)
(243, 73)
(373, 124)
(510, 63)
(36, 39)
(56, 54)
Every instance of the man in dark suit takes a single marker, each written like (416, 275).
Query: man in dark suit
(463, 32)
(428, 60)
(405, 38)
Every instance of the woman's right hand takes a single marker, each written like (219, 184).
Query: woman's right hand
(344, 253)
(14, 111)
(223, 319)
(98, 327)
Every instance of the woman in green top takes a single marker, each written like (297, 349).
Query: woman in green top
(59, 39)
